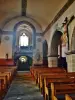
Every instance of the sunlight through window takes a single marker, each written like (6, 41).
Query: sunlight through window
(23, 40)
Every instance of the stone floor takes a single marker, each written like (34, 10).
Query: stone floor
(23, 88)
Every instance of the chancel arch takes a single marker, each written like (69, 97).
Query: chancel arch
(22, 32)
(28, 29)
(24, 39)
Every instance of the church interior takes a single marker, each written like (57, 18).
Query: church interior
(37, 50)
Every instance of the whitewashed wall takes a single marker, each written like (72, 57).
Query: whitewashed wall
(6, 46)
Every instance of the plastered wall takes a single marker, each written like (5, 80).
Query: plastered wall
(68, 13)
(6, 46)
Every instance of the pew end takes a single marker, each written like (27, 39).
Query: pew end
(55, 98)
(67, 97)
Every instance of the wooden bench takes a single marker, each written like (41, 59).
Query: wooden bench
(59, 85)
(34, 69)
(68, 97)
(49, 74)
(57, 78)
(55, 98)
(59, 89)
(4, 85)
(4, 78)
(6, 74)
(41, 74)
(10, 70)
(1, 88)
(49, 79)
(8, 77)
(47, 70)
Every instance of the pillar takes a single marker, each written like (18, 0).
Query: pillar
(70, 61)
(52, 61)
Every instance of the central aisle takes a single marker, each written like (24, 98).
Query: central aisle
(23, 88)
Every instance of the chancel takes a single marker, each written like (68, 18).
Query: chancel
(37, 49)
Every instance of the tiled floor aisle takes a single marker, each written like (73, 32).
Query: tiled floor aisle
(23, 88)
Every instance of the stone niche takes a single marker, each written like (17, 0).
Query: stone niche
(70, 61)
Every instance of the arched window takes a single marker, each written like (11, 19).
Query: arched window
(23, 40)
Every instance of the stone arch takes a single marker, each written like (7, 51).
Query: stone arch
(54, 43)
(11, 24)
(53, 55)
(30, 26)
(8, 24)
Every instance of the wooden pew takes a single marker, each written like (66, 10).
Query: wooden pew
(58, 78)
(34, 69)
(3, 85)
(4, 78)
(6, 74)
(50, 70)
(47, 70)
(37, 73)
(54, 76)
(1, 88)
(49, 74)
(8, 77)
(55, 98)
(10, 70)
(68, 97)
(58, 89)
(48, 81)
(60, 86)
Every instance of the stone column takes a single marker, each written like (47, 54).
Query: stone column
(70, 61)
(52, 61)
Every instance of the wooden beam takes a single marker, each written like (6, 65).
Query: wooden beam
(24, 6)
